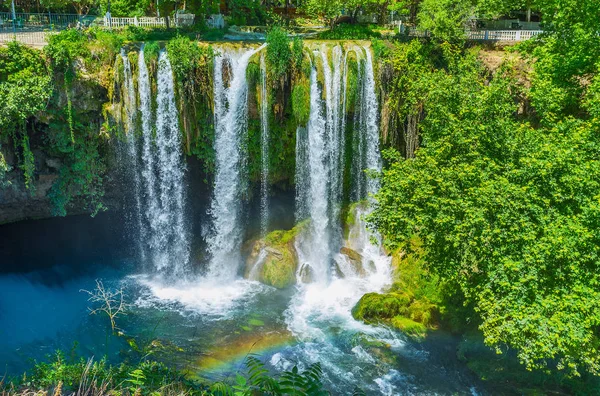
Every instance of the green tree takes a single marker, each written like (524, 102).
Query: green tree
(446, 20)
(507, 211)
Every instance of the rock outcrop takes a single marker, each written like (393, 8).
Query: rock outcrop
(273, 260)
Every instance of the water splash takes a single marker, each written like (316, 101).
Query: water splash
(231, 118)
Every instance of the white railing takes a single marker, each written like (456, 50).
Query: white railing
(484, 35)
(502, 35)
(179, 20)
(35, 39)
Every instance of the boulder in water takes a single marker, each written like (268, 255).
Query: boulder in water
(355, 259)
(306, 274)
(273, 259)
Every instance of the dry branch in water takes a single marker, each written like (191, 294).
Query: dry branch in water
(111, 302)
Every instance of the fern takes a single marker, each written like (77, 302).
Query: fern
(258, 377)
(221, 389)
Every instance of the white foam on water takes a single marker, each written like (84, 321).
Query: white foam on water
(201, 297)
(386, 387)
(363, 355)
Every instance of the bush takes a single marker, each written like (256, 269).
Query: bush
(350, 32)
(279, 53)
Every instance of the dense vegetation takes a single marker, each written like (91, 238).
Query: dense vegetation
(62, 375)
(503, 191)
(489, 200)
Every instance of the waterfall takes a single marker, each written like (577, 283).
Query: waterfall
(231, 116)
(365, 145)
(165, 206)
(159, 170)
(313, 247)
(148, 161)
(132, 171)
(373, 155)
(338, 137)
(302, 178)
(264, 149)
(129, 93)
(366, 155)
(320, 162)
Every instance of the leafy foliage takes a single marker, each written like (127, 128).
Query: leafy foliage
(25, 89)
(152, 378)
(279, 53)
(192, 69)
(445, 19)
(508, 212)
(291, 382)
(350, 32)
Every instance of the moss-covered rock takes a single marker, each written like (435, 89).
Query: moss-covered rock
(374, 307)
(356, 261)
(413, 302)
(409, 326)
(279, 270)
(273, 259)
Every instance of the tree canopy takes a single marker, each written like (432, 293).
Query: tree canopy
(504, 191)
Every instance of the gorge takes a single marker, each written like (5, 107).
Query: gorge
(309, 277)
(397, 215)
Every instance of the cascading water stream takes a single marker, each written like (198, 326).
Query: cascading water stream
(373, 155)
(164, 174)
(148, 171)
(264, 149)
(366, 155)
(313, 247)
(302, 176)
(231, 113)
(132, 170)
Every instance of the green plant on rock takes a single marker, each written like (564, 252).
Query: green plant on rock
(25, 89)
(279, 55)
(414, 301)
(63, 50)
(192, 69)
(301, 102)
(82, 172)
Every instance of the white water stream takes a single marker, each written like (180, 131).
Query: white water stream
(231, 118)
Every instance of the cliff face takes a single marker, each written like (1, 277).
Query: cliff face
(17, 201)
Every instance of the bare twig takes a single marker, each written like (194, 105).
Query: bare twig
(111, 302)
